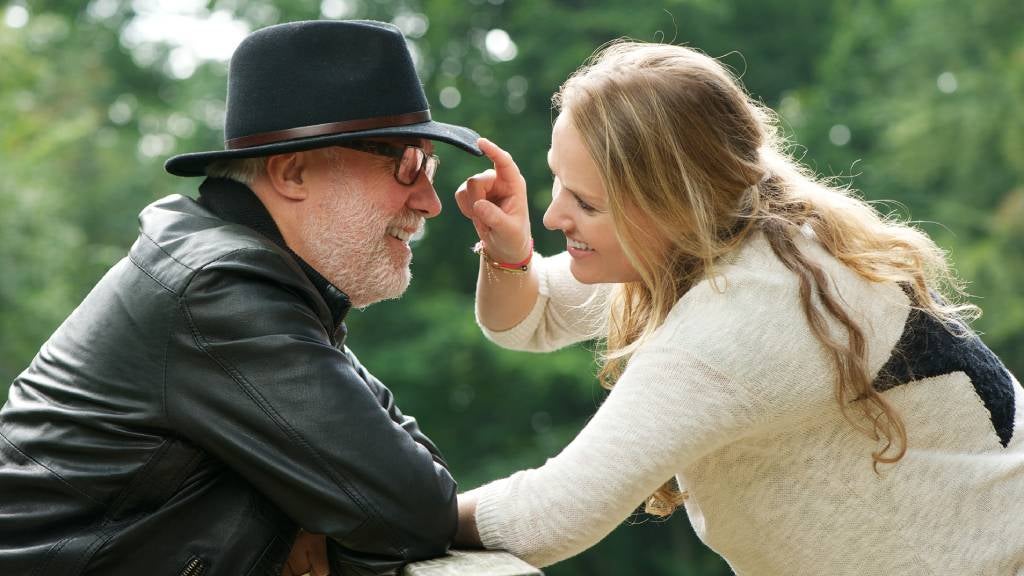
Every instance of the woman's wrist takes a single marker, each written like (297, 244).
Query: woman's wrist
(467, 535)
(517, 267)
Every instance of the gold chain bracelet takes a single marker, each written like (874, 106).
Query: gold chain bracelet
(517, 268)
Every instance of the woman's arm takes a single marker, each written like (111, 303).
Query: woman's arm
(495, 201)
(467, 536)
(666, 411)
(566, 311)
(503, 298)
(542, 308)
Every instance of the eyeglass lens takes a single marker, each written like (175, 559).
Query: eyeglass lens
(413, 161)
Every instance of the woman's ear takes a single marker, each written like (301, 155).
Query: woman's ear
(286, 174)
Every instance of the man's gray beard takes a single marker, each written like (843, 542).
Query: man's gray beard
(348, 244)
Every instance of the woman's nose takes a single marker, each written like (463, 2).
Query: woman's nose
(555, 217)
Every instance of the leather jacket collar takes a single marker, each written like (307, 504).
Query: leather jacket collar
(234, 202)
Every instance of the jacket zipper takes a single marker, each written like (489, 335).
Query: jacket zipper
(195, 567)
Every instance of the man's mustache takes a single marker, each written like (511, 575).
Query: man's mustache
(411, 220)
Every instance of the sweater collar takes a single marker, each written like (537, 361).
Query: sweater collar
(234, 202)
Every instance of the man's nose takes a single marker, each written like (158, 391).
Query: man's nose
(423, 198)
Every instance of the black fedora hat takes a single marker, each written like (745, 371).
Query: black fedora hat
(304, 85)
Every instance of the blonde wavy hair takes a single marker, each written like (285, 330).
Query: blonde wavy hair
(679, 140)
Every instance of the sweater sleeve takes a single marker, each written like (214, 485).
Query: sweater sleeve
(567, 311)
(666, 410)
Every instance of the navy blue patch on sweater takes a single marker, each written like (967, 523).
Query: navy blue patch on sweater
(928, 349)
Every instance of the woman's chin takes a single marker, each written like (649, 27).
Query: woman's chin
(589, 273)
(586, 274)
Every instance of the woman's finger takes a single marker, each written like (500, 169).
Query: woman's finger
(504, 236)
(505, 167)
(476, 188)
(462, 201)
(490, 215)
(472, 189)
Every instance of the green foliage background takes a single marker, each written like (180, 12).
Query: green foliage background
(928, 93)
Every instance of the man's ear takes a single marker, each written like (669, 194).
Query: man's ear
(286, 174)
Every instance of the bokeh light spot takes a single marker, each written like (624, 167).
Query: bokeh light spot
(839, 135)
(450, 97)
(947, 82)
(16, 16)
(500, 46)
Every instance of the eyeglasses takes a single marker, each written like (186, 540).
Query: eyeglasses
(410, 161)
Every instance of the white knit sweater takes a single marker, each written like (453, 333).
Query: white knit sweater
(734, 396)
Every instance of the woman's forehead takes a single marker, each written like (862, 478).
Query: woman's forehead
(570, 159)
(560, 138)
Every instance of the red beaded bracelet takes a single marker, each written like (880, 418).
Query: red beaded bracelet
(518, 267)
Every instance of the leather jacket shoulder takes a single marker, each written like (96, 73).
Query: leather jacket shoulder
(197, 408)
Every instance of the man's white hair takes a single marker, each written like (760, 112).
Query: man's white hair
(244, 170)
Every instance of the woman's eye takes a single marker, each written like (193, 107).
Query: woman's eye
(556, 189)
(584, 206)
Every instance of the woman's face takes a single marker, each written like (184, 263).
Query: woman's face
(579, 208)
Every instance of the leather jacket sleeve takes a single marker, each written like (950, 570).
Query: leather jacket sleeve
(303, 421)
(387, 400)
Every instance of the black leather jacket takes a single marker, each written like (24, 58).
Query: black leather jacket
(199, 406)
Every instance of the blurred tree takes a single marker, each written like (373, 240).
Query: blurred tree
(923, 100)
(70, 184)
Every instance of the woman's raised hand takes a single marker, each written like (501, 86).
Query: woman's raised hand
(495, 200)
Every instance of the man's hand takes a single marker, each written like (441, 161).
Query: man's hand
(308, 556)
